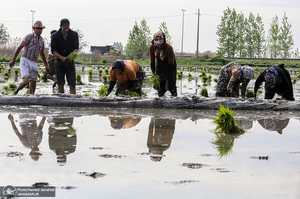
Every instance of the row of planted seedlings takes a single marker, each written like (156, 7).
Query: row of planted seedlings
(6, 73)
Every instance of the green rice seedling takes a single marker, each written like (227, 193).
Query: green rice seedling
(9, 70)
(102, 91)
(73, 56)
(202, 74)
(133, 94)
(294, 81)
(204, 79)
(86, 94)
(12, 86)
(190, 77)
(209, 78)
(250, 94)
(44, 79)
(16, 71)
(204, 92)
(5, 88)
(216, 80)
(105, 78)
(78, 78)
(179, 76)
(100, 72)
(106, 71)
(83, 67)
(6, 74)
(155, 81)
(90, 72)
(104, 61)
(226, 123)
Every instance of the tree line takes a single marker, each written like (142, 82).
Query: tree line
(243, 37)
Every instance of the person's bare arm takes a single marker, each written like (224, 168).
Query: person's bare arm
(42, 54)
(12, 62)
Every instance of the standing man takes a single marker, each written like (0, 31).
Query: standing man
(34, 46)
(63, 43)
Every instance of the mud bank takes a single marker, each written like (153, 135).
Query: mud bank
(193, 102)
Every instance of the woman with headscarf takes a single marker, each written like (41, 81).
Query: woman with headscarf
(231, 75)
(165, 67)
(277, 80)
(128, 75)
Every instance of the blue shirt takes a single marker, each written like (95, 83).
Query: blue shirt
(63, 46)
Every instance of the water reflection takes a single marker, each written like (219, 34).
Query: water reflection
(272, 124)
(160, 136)
(246, 124)
(62, 137)
(32, 134)
(123, 122)
(224, 143)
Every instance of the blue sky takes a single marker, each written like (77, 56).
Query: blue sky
(106, 22)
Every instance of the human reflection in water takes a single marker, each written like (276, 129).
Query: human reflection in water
(62, 137)
(272, 124)
(123, 122)
(32, 134)
(160, 137)
(246, 124)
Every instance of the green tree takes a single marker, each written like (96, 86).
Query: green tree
(286, 38)
(296, 54)
(138, 41)
(4, 36)
(250, 34)
(118, 46)
(259, 40)
(227, 32)
(163, 28)
(241, 27)
(82, 43)
(273, 38)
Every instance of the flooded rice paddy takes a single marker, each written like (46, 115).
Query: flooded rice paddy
(110, 153)
(148, 153)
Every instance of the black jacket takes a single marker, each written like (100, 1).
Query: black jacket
(284, 88)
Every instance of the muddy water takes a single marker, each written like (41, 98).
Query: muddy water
(126, 153)
(146, 153)
(91, 83)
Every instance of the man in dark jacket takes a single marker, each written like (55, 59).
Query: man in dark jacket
(277, 80)
(63, 43)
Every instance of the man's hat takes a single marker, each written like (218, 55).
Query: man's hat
(38, 24)
(65, 23)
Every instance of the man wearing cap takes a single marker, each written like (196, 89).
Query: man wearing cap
(34, 46)
(63, 43)
(130, 77)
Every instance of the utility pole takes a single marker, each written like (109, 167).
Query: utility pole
(182, 30)
(197, 51)
(33, 11)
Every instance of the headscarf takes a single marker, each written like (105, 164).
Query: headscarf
(159, 46)
(248, 72)
(119, 64)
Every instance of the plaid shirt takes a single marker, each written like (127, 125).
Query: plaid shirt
(34, 45)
